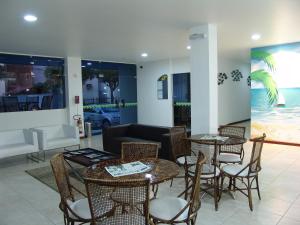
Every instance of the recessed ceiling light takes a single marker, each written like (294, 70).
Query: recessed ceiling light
(256, 37)
(30, 18)
(82, 66)
(144, 55)
(188, 47)
(89, 63)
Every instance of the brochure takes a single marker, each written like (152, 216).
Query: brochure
(214, 137)
(127, 169)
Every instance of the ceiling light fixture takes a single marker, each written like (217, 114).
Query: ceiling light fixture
(144, 55)
(89, 63)
(256, 37)
(30, 18)
(188, 47)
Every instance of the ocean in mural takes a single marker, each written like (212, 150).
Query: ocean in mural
(275, 92)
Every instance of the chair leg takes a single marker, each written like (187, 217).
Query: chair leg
(186, 178)
(230, 184)
(171, 182)
(249, 195)
(216, 190)
(221, 187)
(234, 184)
(257, 187)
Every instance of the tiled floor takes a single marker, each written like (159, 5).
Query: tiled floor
(26, 201)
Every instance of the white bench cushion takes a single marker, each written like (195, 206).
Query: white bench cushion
(61, 142)
(16, 149)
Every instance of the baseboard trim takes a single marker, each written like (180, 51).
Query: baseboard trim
(241, 121)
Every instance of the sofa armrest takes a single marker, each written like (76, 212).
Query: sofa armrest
(109, 133)
(42, 138)
(30, 137)
(166, 147)
(71, 131)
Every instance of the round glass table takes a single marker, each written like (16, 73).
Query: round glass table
(160, 170)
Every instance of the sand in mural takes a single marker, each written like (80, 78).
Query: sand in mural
(275, 92)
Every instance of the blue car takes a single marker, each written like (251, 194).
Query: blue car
(102, 117)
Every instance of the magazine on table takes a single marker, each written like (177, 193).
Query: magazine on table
(214, 137)
(127, 169)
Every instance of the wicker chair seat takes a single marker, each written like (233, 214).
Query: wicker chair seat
(229, 158)
(234, 169)
(123, 219)
(207, 171)
(168, 207)
(81, 208)
(191, 160)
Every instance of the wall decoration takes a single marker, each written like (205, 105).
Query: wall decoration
(162, 87)
(236, 75)
(221, 78)
(275, 90)
(249, 81)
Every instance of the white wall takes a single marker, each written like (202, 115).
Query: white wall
(29, 119)
(151, 110)
(20, 120)
(234, 97)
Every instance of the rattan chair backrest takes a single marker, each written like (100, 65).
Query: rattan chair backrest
(136, 150)
(134, 195)
(232, 131)
(255, 160)
(61, 176)
(180, 146)
(195, 194)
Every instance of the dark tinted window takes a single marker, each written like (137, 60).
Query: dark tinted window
(31, 83)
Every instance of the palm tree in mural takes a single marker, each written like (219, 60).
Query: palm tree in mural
(263, 76)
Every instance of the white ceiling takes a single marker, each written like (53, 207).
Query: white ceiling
(120, 30)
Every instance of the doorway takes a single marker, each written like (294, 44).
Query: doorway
(182, 99)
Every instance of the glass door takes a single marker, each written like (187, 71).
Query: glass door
(109, 94)
(182, 99)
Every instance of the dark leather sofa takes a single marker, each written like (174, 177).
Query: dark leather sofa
(114, 136)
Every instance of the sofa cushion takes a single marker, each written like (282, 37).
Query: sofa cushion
(12, 137)
(61, 142)
(132, 139)
(147, 132)
(16, 149)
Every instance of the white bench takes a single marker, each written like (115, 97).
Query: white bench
(18, 142)
(59, 136)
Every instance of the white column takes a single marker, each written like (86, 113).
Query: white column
(204, 87)
(73, 88)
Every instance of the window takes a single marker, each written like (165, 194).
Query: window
(31, 83)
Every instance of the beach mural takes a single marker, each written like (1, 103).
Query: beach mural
(275, 92)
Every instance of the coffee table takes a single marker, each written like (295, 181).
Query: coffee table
(88, 156)
(161, 170)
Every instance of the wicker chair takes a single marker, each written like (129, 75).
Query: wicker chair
(134, 212)
(210, 172)
(181, 149)
(231, 153)
(172, 210)
(132, 151)
(248, 172)
(74, 211)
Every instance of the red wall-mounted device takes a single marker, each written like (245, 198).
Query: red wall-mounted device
(76, 99)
